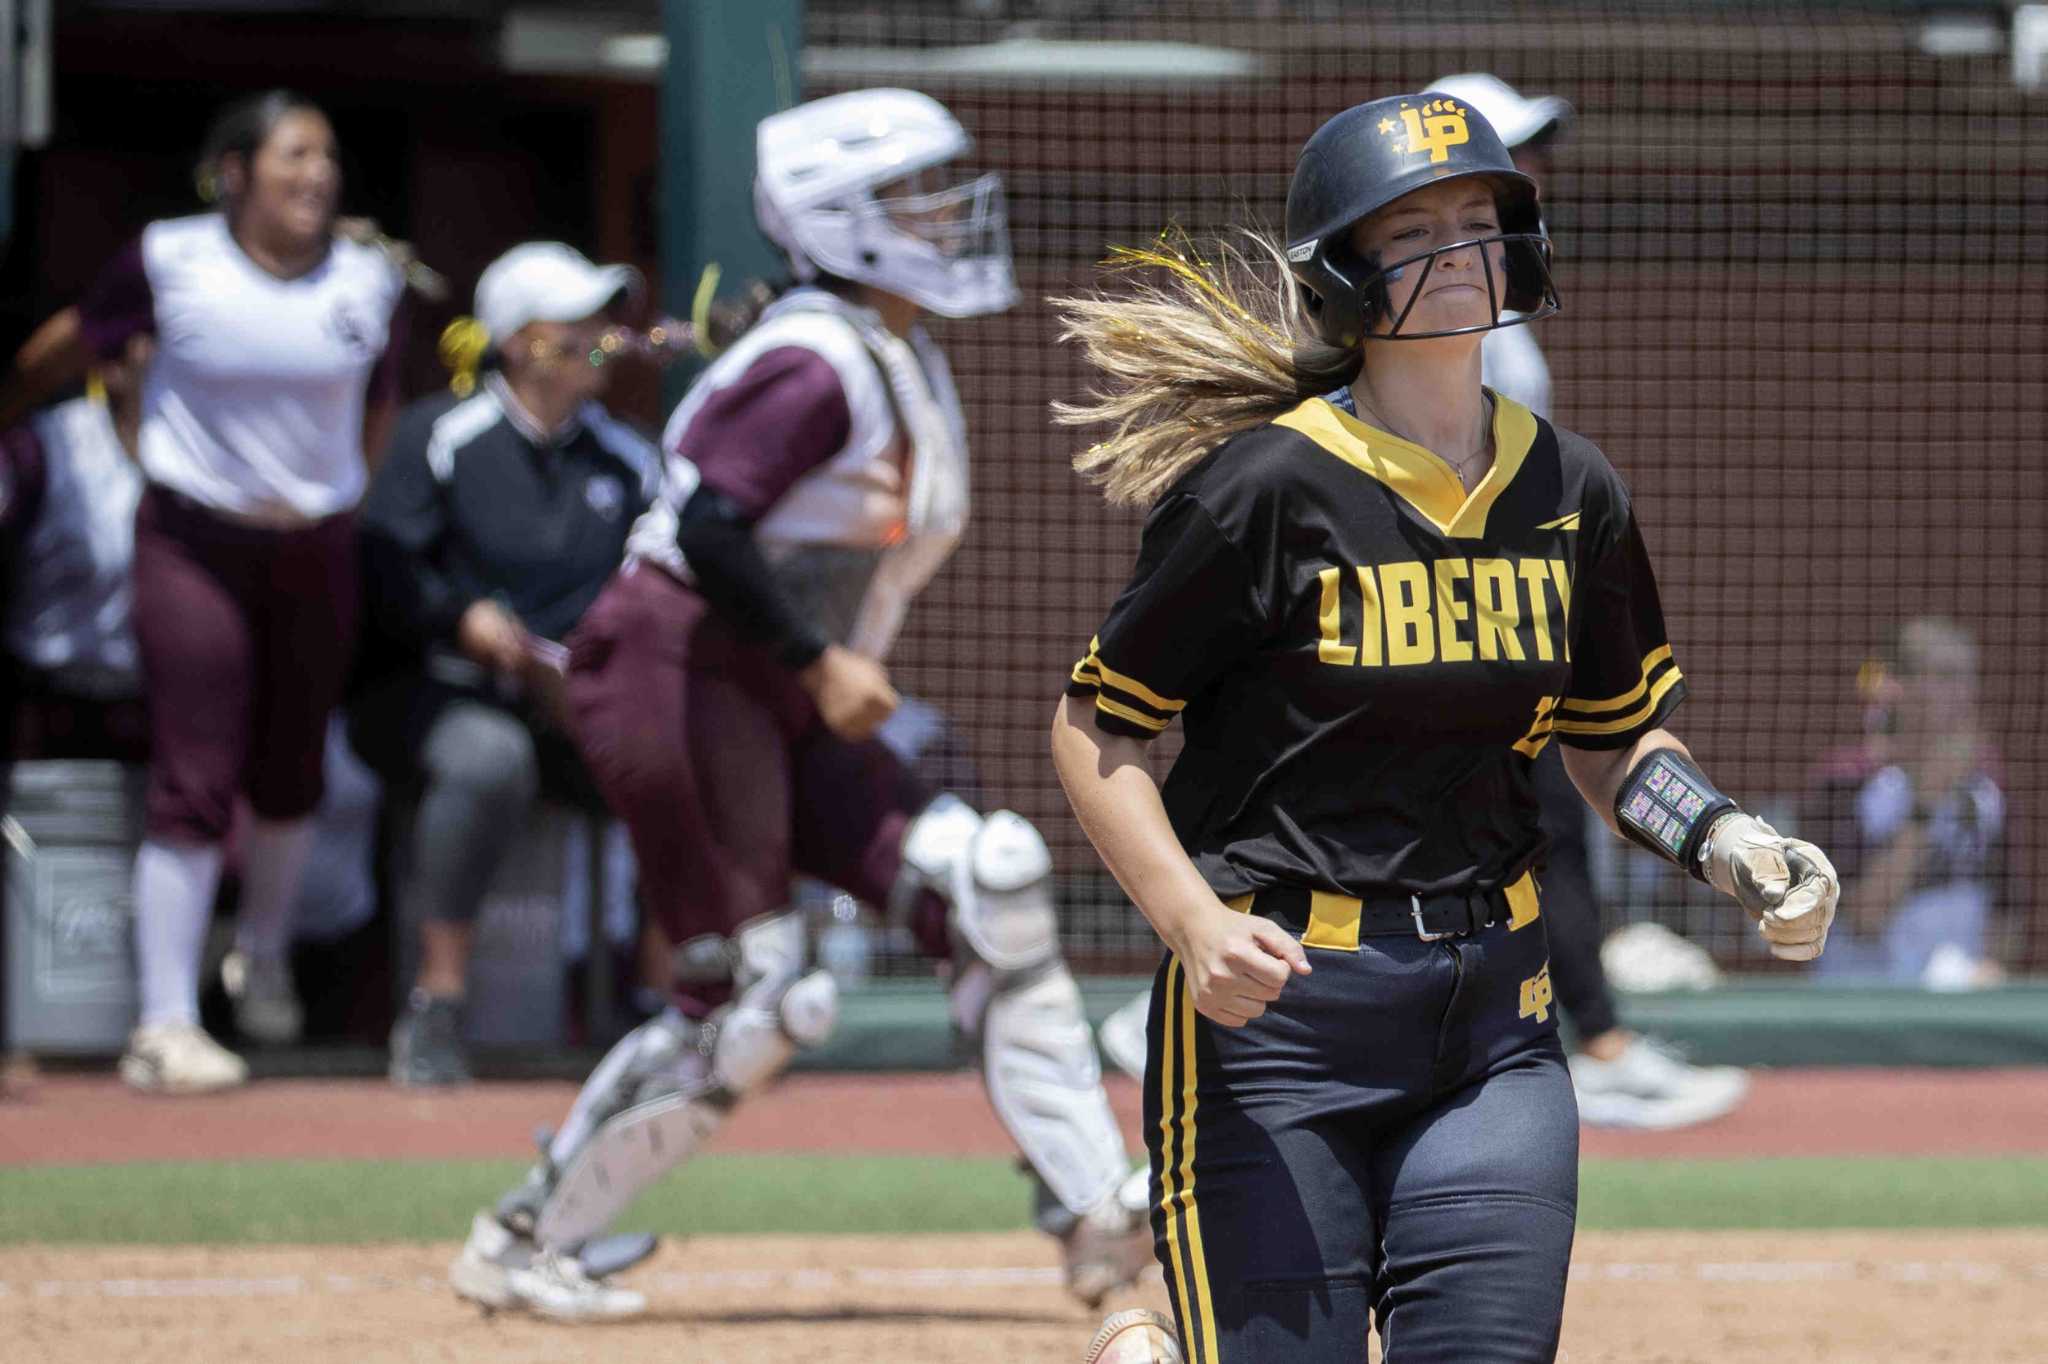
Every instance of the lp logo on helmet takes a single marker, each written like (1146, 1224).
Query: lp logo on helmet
(1435, 128)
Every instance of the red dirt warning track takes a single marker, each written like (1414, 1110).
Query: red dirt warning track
(94, 1119)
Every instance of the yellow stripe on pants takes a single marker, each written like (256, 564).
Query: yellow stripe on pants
(1190, 1269)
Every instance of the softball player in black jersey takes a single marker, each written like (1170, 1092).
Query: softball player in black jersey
(1372, 591)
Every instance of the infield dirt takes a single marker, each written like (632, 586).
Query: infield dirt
(1636, 1298)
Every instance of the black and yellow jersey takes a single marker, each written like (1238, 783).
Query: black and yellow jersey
(1366, 660)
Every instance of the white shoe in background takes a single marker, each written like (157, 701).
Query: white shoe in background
(267, 1010)
(1649, 1088)
(179, 1058)
(1122, 1037)
(1646, 958)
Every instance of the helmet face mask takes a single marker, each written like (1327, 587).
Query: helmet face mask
(1370, 157)
(1513, 265)
(851, 186)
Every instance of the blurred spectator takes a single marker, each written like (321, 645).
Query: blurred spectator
(492, 524)
(273, 376)
(1917, 820)
(68, 487)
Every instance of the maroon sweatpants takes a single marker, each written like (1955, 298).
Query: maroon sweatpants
(713, 755)
(245, 636)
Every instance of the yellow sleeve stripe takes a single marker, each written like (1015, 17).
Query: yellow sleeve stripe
(1136, 717)
(1084, 673)
(1626, 722)
(1126, 684)
(1656, 656)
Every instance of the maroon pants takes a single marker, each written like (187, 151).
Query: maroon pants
(714, 757)
(245, 637)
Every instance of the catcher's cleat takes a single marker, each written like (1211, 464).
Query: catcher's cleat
(1135, 1336)
(1110, 1245)
(497, 1269)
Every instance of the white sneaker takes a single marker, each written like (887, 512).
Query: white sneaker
(497, 1269)
(1108, 1247)
(267, 1008)
(1648, 1088)
(1646, 958)
(179, 1058)
(1122, 1037)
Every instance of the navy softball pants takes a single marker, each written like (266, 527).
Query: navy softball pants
(1394, 1141)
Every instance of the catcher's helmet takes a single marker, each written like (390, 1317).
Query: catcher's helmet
(1367, 157)
(821, 166)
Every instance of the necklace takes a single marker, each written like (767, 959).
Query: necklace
(1485, 450)
(1458, 466)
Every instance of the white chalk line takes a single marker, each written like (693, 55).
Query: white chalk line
(972, 1279)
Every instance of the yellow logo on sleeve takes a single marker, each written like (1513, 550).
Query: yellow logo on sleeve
(1435, 128)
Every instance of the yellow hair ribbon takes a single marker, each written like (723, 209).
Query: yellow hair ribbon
(96, 387)
(700, 311)
(1167, 258)
(463, 345)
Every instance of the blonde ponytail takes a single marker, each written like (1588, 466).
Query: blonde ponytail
(1190, 358)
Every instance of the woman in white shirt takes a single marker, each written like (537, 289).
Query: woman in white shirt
(273, 378)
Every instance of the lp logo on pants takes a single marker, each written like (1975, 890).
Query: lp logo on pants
(1536, 996)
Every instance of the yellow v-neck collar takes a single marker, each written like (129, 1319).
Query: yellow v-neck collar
(1417, 476)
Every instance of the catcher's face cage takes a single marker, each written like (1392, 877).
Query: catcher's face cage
(1347, 294)
(947, 250)
(966, 227)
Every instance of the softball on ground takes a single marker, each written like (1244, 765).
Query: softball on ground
(1136, 1336)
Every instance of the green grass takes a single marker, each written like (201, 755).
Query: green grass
(353, 1201)
(206, 1202)
(1813, 1194)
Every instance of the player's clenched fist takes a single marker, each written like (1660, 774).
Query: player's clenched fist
(1236, 964)
(852, 692)
(1786, 884)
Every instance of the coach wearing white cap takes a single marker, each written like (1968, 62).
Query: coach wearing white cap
(496, 516)
(548, 282)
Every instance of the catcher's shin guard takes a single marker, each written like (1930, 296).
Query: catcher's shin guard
(664, 1089)
(1013, 996)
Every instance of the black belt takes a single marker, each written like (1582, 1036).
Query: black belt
(1429, 918)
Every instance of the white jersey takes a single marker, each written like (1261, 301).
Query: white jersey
(254, 404)
(858, 536)
(1512, 365)
(68, 606)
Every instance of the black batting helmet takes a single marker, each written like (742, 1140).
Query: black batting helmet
(1367, 157)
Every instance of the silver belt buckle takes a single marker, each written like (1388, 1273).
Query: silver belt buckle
(1415, 908)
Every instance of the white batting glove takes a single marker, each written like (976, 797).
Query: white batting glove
(1788, 886)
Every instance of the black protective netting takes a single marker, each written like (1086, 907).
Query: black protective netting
(1805, 273)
